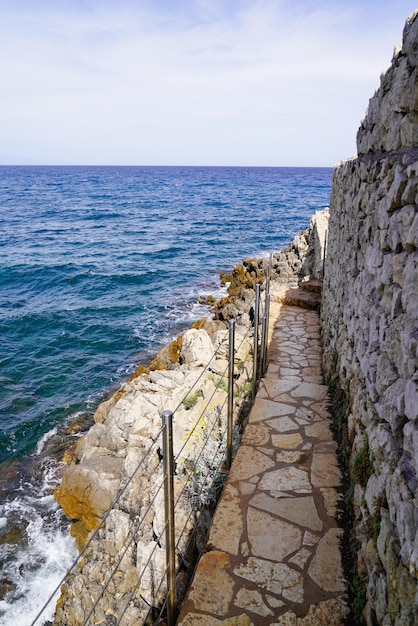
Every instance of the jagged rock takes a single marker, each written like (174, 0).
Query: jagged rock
(167, 356)
(117, 531)
(211, 326)
(86, 492)
(197, 348)
(242, 343)
(103, 409)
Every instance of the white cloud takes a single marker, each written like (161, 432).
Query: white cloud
(263, 83)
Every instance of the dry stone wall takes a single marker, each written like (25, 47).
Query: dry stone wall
(370, 328)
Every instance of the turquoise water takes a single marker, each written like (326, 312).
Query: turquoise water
(99, 267)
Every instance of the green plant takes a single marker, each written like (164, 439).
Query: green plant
(363, 465)
(372, 526)
(331, 374)
(243, 391)
(340, 409)
(349, 497)
(331, 384)
(193, 399)
(339, 421)
(374, 522)
(372, 407)
(358, 589)
(204, 479)
(223, 385)
(219, 383)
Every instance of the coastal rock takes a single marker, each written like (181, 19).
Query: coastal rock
(86, 492)
(103, 409)
(242, 343)
(168, 356)
(117, 531)
(197, 348)
(240, 285)
(210, 325)
(150, 553)
(317, 246)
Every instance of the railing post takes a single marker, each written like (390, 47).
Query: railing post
(267, 278)
(265, 323)
(167, 418)
(262, 346)
(325, 252)
(231, 367)
(266, 338)
(255, 348)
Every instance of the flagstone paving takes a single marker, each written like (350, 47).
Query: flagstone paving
(273, 555)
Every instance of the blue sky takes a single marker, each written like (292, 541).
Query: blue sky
(190, 82)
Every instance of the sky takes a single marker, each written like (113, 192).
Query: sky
(190, 82)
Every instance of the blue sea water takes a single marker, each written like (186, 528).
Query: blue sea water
(99, 267)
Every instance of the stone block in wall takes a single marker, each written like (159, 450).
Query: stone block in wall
(410, 193)
(398, 267)
(410, 288)
(396, 189)
(401, 223)
(386, 272)
(384, 538)
(411, 239)
(409, 129)
(383, 444)
(411, 403)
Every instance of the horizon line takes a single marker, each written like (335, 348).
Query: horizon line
(163, 165)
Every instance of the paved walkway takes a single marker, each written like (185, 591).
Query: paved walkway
(272, 556)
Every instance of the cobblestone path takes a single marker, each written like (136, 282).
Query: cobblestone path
(273, 553)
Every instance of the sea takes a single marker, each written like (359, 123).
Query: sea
(99, 268)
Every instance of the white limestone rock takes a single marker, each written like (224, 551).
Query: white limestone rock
(197, 348)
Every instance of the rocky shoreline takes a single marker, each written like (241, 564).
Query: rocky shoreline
(117, 464)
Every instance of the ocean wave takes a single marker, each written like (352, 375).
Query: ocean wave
(35, 547)
(43, 440)
(36, 571)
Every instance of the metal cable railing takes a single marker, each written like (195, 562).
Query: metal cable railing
(191, 479)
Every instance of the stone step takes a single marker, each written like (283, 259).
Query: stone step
(313, 284)
(302, 298)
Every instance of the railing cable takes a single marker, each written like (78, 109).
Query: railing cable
(217, 452)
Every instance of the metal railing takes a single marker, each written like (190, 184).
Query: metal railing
(182, 484)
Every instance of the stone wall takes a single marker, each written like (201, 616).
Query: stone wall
(370, 329)
(304, 256)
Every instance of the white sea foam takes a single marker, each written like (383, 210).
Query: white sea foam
(41, 443)
(37, 572)
(35, 566)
